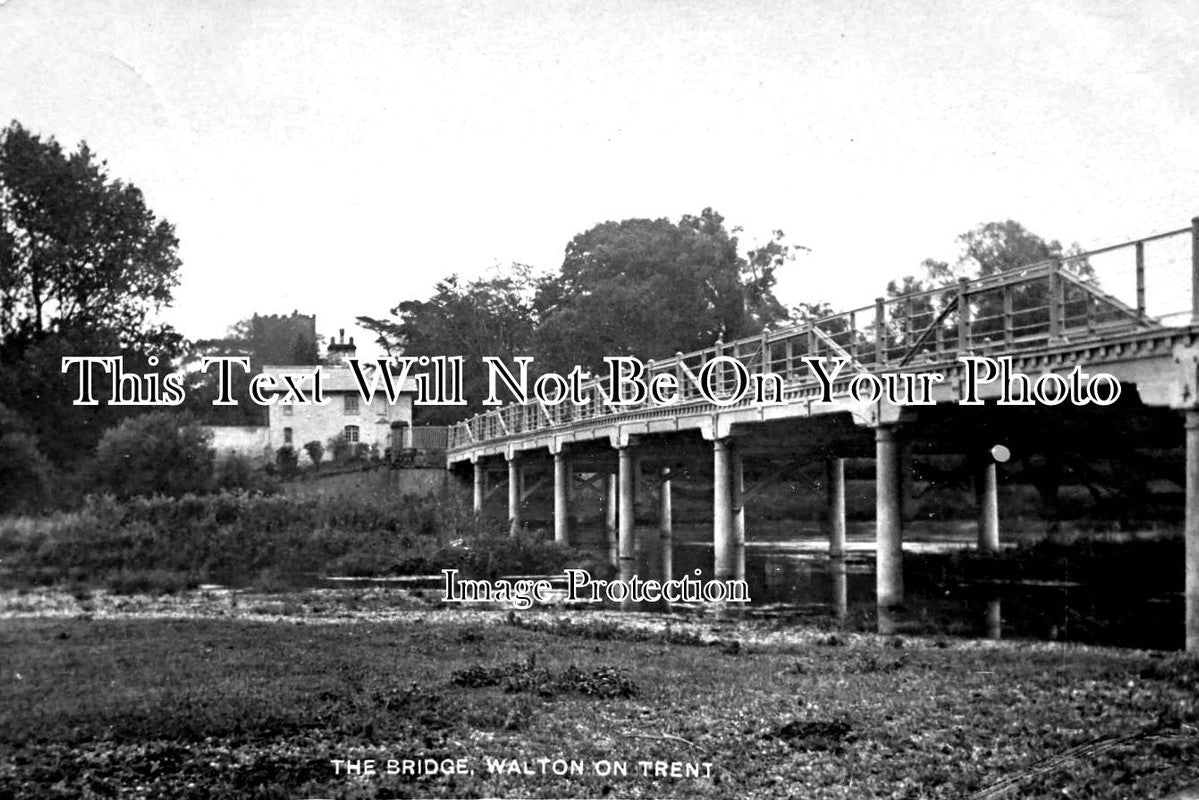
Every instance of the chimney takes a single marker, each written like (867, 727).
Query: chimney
(339, 348)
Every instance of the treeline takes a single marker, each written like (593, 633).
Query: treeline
(86, 267)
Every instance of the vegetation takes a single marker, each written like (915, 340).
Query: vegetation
(233, 708)
(237, 538)
(85, 267)
(637, 287)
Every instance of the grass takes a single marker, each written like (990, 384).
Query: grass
(118, 705)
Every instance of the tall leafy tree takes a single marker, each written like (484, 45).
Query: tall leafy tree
(78, 251)
(84, 268)
(649, 288)
(492, 316)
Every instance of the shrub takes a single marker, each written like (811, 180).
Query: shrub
(156, 453)
(286, 459)
(315, 451)
(339, 448)
(238, 472)
(25, 474)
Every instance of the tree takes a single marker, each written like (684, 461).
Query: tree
(650, 288)
(274, 339)
(161, 452)
(25, 474)
(84, 267)
(491, 316)
(78, 251)
(986, 250)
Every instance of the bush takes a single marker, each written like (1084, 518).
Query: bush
(25, 474)
(157, 453)
(238, 472)
(339, 448)
(316, 451)
(287, 460)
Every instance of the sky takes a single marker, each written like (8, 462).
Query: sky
(338, 158)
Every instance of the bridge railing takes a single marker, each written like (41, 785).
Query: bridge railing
(1133, 285)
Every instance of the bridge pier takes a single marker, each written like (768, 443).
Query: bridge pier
(888, 522)
(561, 500)
(480, 488)
(628, 531)
(610, 503)
(835, 511)
(988, 507)
(514, 492)
(722, 510)
(738, 499)
(1191, 528)
(666, 526)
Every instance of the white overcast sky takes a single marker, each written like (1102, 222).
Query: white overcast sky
(339, 157)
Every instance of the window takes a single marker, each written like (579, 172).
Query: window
(288, 409)
(287, 436)
(351, 433)
(351, 403)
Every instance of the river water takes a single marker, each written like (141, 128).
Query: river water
(791, 578)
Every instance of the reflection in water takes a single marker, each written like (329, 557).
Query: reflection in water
(994, 619)
(809, 587)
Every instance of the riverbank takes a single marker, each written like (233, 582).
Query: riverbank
(249, 694)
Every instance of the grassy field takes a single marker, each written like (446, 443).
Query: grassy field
(255, 695)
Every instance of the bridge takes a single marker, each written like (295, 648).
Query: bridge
(1130, 310)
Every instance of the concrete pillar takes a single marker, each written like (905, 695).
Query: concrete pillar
(988, 507)
(738, 492)
(627, 536)
(722, 510)
(479, 489)
(1191, 528)
(666, 527)
(610, 504)
(840, 580)
(835, 514)
(514, 482)
(889, 525)
(561, 502)
(904, 472)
